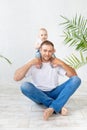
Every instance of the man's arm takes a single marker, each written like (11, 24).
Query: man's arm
(21, 72)
(69, 70)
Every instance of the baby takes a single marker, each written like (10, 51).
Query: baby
(43, 36)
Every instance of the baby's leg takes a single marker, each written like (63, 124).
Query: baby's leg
(38, 55)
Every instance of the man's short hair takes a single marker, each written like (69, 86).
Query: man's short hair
(47, 42)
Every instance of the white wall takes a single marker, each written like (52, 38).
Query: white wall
(20, 21)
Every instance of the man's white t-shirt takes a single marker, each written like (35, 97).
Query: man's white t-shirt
(47, 77)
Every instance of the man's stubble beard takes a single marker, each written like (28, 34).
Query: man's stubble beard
(45, 59)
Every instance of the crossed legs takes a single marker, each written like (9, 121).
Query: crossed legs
(53, 100)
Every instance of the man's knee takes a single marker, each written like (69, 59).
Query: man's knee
(76, 81)
(26, 87)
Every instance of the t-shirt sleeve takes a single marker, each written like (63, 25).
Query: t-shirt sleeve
(61, 71)
(28, 73)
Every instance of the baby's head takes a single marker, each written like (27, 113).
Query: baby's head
(43, 35)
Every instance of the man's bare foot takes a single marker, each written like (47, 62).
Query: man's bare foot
(64, 111)
(47, 113)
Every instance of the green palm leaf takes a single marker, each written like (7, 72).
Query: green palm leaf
(75, 62)
(5, 59)
(75, 32)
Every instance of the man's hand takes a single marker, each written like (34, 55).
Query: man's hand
(69, 70)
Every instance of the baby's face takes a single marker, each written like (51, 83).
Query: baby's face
(43, 35)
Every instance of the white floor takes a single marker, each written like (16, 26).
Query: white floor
(17, 111)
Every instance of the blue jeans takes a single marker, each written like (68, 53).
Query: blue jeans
(55, 98)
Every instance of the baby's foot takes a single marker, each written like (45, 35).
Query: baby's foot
(39, 66)
(53, 65)
(53, 62)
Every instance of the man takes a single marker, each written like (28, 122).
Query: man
(45, 88)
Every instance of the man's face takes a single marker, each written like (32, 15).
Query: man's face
(46, 52)
(43, 35)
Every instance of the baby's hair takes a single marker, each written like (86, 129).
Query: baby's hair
(44, 29)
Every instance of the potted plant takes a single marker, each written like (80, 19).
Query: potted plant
(75, 34)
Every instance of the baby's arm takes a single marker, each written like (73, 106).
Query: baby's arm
(37, 53)
(37, 46)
